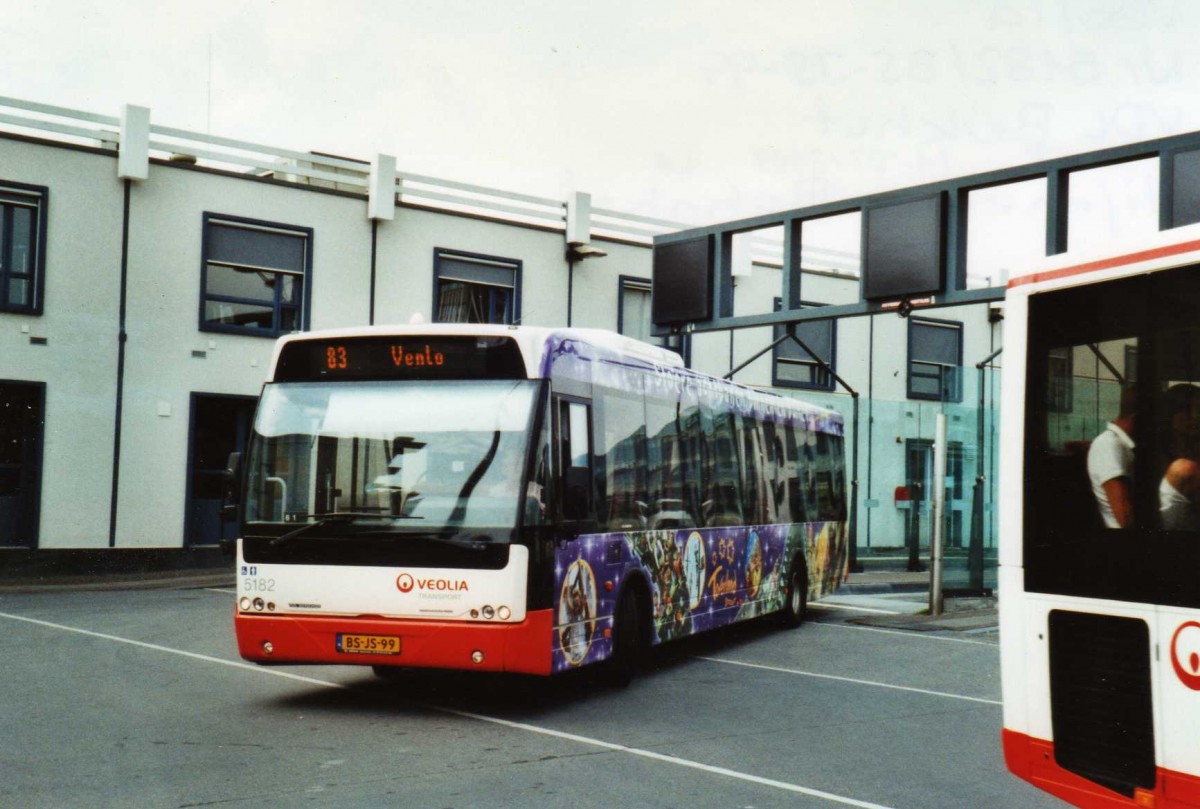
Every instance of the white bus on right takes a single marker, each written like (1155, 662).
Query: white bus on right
(1100, 525)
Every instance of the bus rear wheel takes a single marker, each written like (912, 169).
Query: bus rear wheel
(629, 639)
(795, 597)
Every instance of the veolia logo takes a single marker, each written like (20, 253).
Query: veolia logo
(1185, 654)
(407, 583)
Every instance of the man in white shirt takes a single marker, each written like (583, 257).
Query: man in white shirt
(1110, 467)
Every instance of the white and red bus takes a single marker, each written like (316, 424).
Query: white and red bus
(1100, 534)
(522, 499)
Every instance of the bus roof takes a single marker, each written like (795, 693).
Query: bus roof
(533, 342)
(1156, 251)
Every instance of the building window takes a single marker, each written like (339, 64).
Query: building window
(470, 288)
(255, 276)
(934, 360)
(22, 247)
(793, 367)
(1060, 388)
(633, 314)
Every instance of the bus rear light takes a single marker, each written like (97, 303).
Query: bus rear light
(477, 657)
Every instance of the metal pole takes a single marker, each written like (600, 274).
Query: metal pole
(975, 551)
(756, 356)
(939, 510)
(855, 566)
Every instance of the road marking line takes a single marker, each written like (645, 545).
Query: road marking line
(681, 762)
(218, 590)
(825, 605)
(557, 734)
(854, 680)
(909, 634)
(237, 664)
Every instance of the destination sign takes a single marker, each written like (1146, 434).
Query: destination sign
(401, 357)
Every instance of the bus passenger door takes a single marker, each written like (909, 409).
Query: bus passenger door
(573, 452)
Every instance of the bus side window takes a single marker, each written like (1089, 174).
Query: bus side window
(771, 477)
(574, 455)
(754, 461)
(665, 467)
(792, 474)
(620, 439)
(691, 441)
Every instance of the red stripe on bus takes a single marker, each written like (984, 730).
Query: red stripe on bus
(1106, 264)
(1033, 760)
(524, 647)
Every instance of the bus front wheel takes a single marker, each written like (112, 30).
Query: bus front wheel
(795, 596)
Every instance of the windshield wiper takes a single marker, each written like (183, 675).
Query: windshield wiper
(330, 518)
(459, 514)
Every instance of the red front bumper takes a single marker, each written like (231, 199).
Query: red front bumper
(524, 647)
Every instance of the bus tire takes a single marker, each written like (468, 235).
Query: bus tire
(795, 596)
(390, 673)
(629, 638)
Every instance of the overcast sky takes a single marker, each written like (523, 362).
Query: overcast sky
(700, 112)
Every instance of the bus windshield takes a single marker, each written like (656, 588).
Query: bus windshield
(424, 457)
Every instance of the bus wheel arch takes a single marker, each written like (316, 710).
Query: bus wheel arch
(631, 630)
(795, 594)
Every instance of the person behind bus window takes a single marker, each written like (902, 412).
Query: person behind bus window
(1110, 466)
(1179, 489)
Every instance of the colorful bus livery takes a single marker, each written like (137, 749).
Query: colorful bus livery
(698, 582)
(520, 499)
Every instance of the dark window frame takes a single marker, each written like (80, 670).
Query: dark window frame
(673, 342)
(36, 197)
(951, 392)
(820, 378)
(443, 255)
(303, 308)
(1060, 392)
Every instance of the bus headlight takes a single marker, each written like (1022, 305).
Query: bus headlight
(244, 604)
(504, 613)
(489, 612)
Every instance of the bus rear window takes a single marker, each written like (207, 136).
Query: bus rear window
(400, 357)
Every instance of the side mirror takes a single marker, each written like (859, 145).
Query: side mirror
(575, 493)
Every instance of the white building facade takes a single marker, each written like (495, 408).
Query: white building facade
(145, 272)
